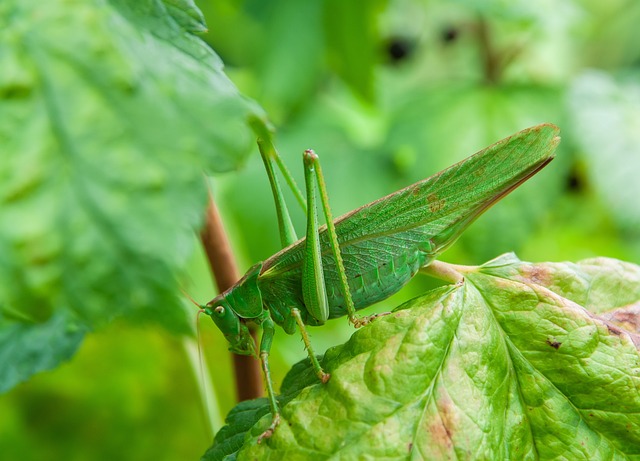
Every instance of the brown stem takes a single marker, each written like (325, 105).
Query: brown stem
(490, 58)
(494, 61)
(225, 274)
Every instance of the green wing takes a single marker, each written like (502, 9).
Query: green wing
(418, 222)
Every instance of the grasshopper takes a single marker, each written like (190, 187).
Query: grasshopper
(369, 253)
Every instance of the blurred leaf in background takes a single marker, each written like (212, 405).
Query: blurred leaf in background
(606, 122)
(110, 111)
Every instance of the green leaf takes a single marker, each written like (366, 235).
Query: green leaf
(495, 367)
(187, 14)
(110, 112)
(27, 349)
(597, 284)
(352, 42)
(239, 420)
(605, 123)
(289, 75)
(244, 416)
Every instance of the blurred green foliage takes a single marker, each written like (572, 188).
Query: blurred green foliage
(387, 93)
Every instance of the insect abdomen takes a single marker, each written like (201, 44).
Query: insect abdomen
(375, 285)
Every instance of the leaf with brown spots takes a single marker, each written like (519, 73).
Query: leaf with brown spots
(505, 365)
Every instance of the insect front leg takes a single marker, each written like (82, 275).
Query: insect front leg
(271, 159)
(268, 330)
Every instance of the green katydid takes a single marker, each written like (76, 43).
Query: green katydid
(370, 253)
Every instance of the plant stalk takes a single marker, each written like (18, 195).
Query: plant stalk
(225, 273)
(205, 386)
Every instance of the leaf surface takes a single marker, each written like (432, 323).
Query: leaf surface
(500, 366)
(110, 111)
(26, 348)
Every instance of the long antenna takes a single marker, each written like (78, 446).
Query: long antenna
(206, 391)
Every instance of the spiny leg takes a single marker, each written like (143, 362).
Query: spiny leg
(324, 377)
(314, 290)
(268, 331)
(314, 278)
(313, 255)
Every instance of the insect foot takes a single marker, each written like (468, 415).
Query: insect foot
(324, 378)
(362, 321)
(271, 429)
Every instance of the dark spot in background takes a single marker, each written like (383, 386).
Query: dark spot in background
(575, 182)
(15, 92)
(399, 49)
(449, 34)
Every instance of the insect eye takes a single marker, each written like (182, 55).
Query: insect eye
(219, 310)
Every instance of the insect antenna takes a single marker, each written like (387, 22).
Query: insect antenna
(190, 298)
(203, 370)
(198, 337)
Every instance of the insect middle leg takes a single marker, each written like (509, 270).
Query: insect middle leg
(313, 279)
(272, 160)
